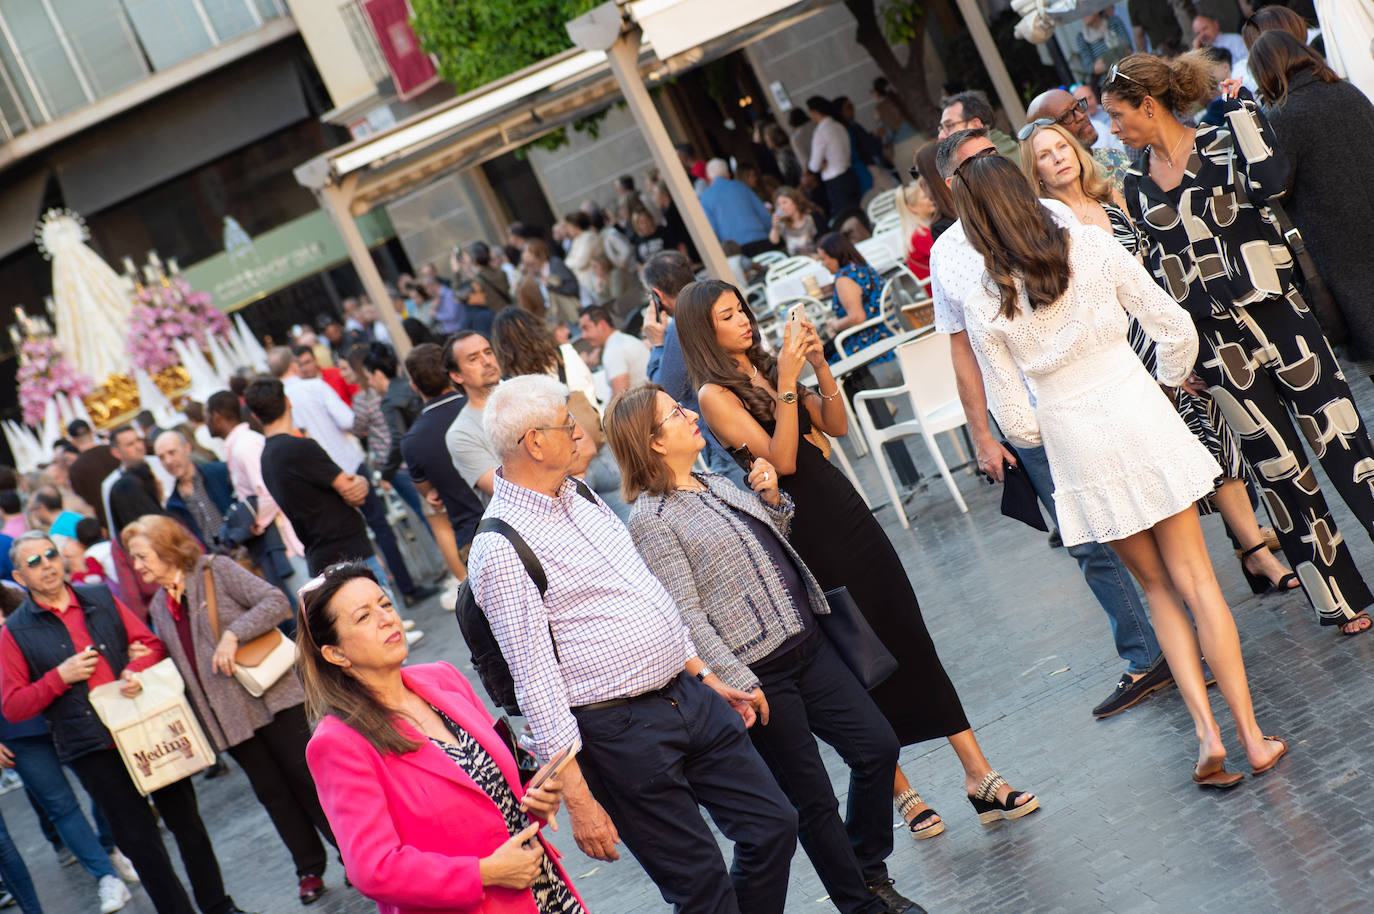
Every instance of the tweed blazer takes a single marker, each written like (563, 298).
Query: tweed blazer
(727, 589)
(248, 606)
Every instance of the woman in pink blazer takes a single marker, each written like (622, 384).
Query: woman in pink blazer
(423, 795)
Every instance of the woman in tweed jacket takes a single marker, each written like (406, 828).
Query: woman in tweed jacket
(750, 604)
(266, 736)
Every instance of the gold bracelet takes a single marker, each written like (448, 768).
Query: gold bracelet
(831, 397)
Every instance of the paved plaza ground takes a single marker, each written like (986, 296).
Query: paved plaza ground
(1121, 826)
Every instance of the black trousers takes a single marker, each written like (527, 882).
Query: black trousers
(650, 762)
(274, 761)
(135, 831)
(844, 193)
(1267, 365)
(811, 691)
(374, 512)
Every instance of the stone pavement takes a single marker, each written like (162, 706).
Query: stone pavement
(1121, 827)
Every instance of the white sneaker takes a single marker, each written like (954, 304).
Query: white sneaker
(123, 866)
(113, 895)
(408, 624)
(413, 637)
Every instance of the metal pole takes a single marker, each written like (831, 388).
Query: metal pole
(992, 60)
(623, 57)
(335, 201)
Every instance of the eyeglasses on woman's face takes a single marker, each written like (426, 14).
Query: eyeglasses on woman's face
(677, 410)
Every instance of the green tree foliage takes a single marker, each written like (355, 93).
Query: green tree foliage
(478, 41)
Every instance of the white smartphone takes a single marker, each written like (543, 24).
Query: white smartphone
(797, 312)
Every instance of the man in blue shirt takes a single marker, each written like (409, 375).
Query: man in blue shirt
(734, 211)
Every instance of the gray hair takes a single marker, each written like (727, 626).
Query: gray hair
(279, 360)
(29, 537)
(944, 153)
(717, 168)
(172, 433)
(518, 405)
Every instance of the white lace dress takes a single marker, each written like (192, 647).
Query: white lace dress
(1121, 458)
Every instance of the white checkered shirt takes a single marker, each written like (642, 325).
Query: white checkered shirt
(618, 632)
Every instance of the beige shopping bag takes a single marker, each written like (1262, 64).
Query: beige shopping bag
(156, 733)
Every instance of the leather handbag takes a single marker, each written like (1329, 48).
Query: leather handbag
(858, 645)
(258, 663)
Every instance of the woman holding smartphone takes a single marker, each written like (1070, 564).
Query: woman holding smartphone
(754, 400)
(423, 795)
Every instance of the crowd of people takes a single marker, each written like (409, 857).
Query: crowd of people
(632, 487)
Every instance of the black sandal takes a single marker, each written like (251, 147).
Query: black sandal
(908, 800)
(990, 810)
(1260, 584)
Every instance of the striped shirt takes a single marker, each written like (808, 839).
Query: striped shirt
(618, 632)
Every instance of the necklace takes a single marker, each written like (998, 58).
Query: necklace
(755, 374)
(1170, 157)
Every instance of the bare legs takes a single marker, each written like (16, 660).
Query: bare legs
(448, 546)
(1170, 562)
(976, 767)
(1233, 504)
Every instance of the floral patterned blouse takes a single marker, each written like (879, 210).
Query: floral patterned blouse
(871, 285)
(1213, 242)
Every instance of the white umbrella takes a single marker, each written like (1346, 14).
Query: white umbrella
(253, 349)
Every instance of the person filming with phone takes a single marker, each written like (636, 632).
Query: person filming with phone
(423, 794)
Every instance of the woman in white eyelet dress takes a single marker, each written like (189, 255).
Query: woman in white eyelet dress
(1121, 458)
(1127, 471)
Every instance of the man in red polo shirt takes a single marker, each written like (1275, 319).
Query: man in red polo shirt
(54, 648)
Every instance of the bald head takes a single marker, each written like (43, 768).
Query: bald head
(174, 451)
(1058, 105)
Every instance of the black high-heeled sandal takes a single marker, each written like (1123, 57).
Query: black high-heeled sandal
(1260, 584)
(908, 800)
(989, 809)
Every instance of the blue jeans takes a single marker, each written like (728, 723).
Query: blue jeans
(16, 874)
(36, 761)
(1106, 575)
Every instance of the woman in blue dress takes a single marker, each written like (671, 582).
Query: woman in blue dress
(858, 297)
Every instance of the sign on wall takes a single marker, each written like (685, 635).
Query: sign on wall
(252, 268)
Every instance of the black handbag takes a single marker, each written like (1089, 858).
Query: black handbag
(1018, 495)
(858, 645)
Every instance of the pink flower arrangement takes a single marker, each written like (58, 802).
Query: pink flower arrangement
(43, 373)
(162, 316)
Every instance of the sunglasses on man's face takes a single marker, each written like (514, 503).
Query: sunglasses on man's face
(37, 558)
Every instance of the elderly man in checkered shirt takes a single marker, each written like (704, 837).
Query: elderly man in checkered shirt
(604, 656)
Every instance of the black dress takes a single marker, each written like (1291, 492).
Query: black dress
(837, 537)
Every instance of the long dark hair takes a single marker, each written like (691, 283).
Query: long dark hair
(329, 688)
(1017, 237)
(836, 245)
(1277, 57)
(939, 191)
(706, 362)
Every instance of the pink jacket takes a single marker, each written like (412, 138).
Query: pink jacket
(413, 827)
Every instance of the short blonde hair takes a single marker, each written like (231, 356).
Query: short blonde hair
(1090, 176)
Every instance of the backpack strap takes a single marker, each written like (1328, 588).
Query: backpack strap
(522, 549)
(584, 491)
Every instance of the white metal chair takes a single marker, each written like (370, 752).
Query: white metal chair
(901, 292)
(882, 203)
(929, 384)
(768, 258)
(888, 222)
(877, 252)
(786, 266)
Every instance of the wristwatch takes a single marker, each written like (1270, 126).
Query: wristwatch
(703, 673)
(788, 396)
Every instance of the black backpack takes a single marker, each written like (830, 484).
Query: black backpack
(487, 658)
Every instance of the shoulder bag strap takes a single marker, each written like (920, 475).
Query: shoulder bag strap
(211, 602)
(533, 567)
